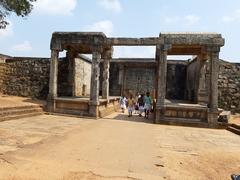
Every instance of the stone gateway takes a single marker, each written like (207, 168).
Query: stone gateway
(199, 90)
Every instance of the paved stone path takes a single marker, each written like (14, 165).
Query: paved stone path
(116, 147)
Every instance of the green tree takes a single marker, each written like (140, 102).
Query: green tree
(19, 7)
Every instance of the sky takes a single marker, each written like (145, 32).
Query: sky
(30, 36)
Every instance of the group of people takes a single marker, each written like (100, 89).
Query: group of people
(141, 104)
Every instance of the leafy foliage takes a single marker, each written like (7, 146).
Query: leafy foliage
(19, 7)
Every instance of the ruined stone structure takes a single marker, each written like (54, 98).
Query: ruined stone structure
(14, 79)
(203, 73)
(3, 58)
(29, 76)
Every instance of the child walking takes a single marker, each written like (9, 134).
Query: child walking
(141, 104)
(131, 104)
(147, 104)
(123, 102)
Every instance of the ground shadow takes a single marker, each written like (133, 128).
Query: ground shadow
(135, 118)
(35, 101)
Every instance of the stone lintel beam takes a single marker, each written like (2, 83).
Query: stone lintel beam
(133, 60)
(194, 42)
(64, 40)
(204, 39)
(149, 41)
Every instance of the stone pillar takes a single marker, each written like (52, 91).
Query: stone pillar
(161, 81)
(71, 55)
(202, 91)
(53, 80)
(213, 98)
(120, 74)
(94, 87)
(121, 78)
(106, 66)
(78, 77)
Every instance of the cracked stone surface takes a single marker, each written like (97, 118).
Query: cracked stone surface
(116, 147)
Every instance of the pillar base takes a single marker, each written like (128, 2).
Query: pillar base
(160, 114)
(94, 111)
(213, 118)
(94, 108)
(51, 105)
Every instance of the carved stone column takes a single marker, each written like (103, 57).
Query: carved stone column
(78, 78)
(202, 90)
(161, 81)
(71, 55)
(53, 80)
(94, 87)
(106, 66)
(213, 98)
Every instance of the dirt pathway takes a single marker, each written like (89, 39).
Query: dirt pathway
(116, 147)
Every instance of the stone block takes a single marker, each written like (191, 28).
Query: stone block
(190, 114)
(224, 116)
(174, 113)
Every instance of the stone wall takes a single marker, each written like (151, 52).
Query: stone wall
(139, 80)
(3, 76)
(229, 86)
(192, 80)
(139, 77)
(82, 70)
(25, 77)
(64, 86)
(114, 84)
(176, 79)
(77, 84)
(29, 77)
(130, 78)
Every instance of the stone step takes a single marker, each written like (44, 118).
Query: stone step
(5, 113)
(233, 130)
(13, 117)
(17, 112)
(73, 112)
(106, 111)
(86, 116)
(236, 126)
(182, 119)
(19, 107)
(184, 122)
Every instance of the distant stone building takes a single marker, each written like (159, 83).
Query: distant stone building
(3, 58)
